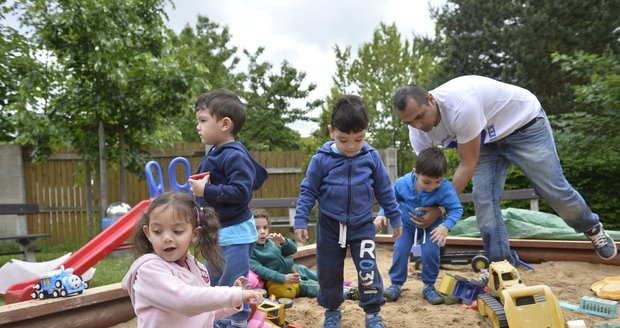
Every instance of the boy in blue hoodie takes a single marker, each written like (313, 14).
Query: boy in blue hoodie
(425, 186)
(234, 175)
(345, 176)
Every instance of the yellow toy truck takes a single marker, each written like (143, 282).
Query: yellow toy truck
(510, 303)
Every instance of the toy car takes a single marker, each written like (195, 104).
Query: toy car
(60, 282)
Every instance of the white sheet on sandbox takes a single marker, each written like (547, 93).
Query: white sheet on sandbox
(15, 271)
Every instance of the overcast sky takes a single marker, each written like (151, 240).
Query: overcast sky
(304, 32)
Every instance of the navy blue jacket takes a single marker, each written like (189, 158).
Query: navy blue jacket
(234, 176)
(346, 188)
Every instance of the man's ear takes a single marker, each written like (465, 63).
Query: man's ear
(227, 124)
(331, 131)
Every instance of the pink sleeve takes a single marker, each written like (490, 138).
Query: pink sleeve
(158, 287)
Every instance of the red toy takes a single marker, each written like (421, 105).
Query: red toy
(199, 176)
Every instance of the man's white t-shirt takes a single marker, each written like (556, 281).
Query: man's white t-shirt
(472, 105)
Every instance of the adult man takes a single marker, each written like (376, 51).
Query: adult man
(494, 124)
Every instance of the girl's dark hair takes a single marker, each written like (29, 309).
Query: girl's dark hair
(432, 163)
(184, 207)
(350, 114)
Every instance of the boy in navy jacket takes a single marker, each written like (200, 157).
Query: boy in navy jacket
(234, 175)
(345, 176)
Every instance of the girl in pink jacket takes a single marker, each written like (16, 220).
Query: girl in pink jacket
(168, 287)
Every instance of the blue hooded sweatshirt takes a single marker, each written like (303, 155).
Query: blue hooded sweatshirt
(235, 174)
(346, 188)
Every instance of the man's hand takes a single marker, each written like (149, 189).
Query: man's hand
(426, 220)
(301, 235)
(380, 222)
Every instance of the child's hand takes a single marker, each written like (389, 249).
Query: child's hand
(398, 231)
(198, 186)
(439, 234)
(249, 294)
(380, 222)
(292, 278)
(301, 235)
(241, 282)
(277, 238)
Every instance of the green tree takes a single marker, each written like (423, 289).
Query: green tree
(123, 82)
(273, 101)
(208, 45)
(588, 140)
(381, 66)
(512, 41)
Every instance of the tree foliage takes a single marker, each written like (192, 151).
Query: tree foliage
(588, 140)
(512, 41)
(381, 66)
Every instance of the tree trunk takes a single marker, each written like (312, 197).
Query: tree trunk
(103, 190)
(89, 200)
(121, 167)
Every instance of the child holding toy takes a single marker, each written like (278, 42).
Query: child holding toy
(234, 175)
(168, 287)
(425, 186)
(272, 261)
(345, 175)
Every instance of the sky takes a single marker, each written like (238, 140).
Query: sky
(304, 32)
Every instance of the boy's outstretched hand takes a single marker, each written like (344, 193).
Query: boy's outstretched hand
(301, 235)
(198, 186)
(277, 238)
(398, 231)
(292, 278)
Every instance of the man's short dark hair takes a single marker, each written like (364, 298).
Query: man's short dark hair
(223, 103)
(350, 114)
(432, 163)
(403, 94)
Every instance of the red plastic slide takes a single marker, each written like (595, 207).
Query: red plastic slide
(91, 253)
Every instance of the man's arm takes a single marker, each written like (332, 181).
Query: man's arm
(468, 158)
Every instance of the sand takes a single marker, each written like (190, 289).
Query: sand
(569, 281)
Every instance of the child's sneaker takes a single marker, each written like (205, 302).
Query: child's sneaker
(351, 293)
(392, 293)
(374, 321)
(604, 246)
(332, 319)
(432, 296)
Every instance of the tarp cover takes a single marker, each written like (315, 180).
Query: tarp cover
(526, 224)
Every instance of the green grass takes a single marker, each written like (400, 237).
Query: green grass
(110, 270)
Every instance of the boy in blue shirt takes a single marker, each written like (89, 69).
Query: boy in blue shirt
(234, 175)
(425, 186)
(345, 176)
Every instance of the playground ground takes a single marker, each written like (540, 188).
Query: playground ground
(569, 281)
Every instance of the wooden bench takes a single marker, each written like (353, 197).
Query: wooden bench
(26, 245)
(291, 204)
(278, 221)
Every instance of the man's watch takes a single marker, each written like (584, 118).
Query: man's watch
(443, 211)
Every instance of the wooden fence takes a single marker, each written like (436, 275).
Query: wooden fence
(58, 187)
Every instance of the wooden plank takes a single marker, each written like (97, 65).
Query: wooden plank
(516, 194)
(273, 202)
(19, 209)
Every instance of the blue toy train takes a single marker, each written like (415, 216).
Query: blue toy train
(61, 282)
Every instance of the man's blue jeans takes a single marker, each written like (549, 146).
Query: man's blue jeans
(533, 151)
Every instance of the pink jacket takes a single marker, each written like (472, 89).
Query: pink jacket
(165, 294)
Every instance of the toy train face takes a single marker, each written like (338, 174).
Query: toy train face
(57, 283)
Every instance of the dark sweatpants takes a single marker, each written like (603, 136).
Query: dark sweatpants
(330, 264)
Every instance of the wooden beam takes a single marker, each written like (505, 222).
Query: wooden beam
(19, 209)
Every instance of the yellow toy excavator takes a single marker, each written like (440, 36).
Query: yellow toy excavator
(510, 303)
